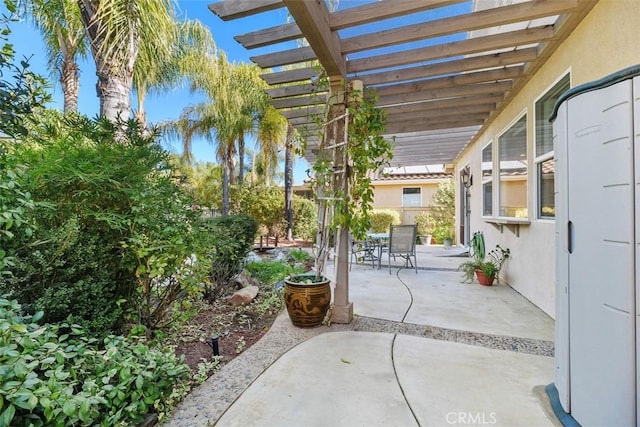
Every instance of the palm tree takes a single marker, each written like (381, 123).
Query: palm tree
(63, 32)
(237, 106)
(116, 30)
(193, 52)
(272, 131)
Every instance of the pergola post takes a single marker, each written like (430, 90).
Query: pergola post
(342, 307)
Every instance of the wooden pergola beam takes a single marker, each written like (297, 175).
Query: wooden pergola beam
(232, 9)
(443, 112)
(295, 90)
(290, 76)
(498, 88)
(268, 36)
(383, 9)
(459, 80)
(453, 66)
(299, 101)
(302, 112)
(458, 24)
(462, 101)
(341, 19)
(412, 126)
(447, 50)
(285, 57)
(313, 19)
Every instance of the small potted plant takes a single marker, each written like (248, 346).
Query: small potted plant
(485, 269)
(424, 229)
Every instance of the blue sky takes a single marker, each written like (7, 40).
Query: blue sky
(27, 43)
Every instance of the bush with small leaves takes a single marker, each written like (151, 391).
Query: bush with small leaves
(382, 219)
(56, 375)
(230, 240)
(305, 219)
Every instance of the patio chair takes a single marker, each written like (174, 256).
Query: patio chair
(363, 251)
(402, 243)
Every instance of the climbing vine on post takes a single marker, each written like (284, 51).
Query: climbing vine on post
(367, 152)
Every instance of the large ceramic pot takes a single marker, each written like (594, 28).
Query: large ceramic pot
(307, 300)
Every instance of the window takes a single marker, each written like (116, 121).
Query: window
(487, 180)
(512, 158)
(545, 167)
(411, 197)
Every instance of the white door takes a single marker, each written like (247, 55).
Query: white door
(601, 259)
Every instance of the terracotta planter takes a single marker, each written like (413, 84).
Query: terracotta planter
(307, 303)
(484, 280)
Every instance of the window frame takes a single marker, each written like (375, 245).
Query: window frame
(539, 159)
(498, 167)
(420, 197)
(490, 179)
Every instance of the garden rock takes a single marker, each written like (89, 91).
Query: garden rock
(244, 296)
(242, 280)
(253, 257)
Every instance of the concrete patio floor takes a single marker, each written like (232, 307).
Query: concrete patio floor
(424, 350)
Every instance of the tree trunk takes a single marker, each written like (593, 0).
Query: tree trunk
(115, 74)
(288, 182)
(241, 158)
(231, 163)
(225, 187)
(69, 79)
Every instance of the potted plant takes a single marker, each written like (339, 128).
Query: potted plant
(484, 268)
(307, 297)
(423, 228)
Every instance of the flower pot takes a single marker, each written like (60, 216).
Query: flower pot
(447, 243)
(425, 240)
(307, 303)
(484, 280)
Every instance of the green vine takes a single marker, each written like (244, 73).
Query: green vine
(368, 151)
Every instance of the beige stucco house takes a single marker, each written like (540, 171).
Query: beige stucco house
(408, 190)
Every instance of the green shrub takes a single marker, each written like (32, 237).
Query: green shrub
(265, 205)
(442, 212)
(55, 375)
(230, 240)
(108, 215)
(270, 272)
(305, 218)
(382, 219)
(423, 225)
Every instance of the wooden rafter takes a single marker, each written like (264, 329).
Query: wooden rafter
(453, 66)
(447, 50)
(384, 9)
(228, 10)
(459, 80)
(498, 88)
(462, 101)
(458, 24)
(313, 19)
(299, 101)
(290, 76)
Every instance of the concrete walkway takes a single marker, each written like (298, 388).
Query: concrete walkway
(424, 350)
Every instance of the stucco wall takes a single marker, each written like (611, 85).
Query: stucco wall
(389, 195)
(606, 41)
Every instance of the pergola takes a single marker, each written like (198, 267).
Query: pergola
(438, 93)
(440, 75)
